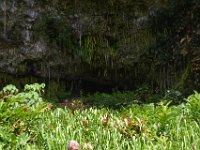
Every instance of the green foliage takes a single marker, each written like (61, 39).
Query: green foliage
(88, 50)
(164, 117)
(193, 106)
(174, 96)
(9, 90)
(18, 114)
(34, 87)
(145, 126)
(115, 99)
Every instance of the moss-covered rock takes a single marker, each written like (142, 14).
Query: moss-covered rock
(109, 42)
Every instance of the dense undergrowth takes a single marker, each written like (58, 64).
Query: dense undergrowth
(27, 122)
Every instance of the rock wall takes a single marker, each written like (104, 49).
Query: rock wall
(19, 53)
(71, 40)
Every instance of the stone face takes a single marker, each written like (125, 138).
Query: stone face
(16, 45)
(112, 43)
(47, 39)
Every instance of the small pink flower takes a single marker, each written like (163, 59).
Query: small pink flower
(73, 145)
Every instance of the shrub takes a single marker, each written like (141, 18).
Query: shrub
(193, 106)
(116, 99)
(175, 96)
(18, 114)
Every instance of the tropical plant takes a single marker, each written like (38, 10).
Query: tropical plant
(18, 114)
(193, 106)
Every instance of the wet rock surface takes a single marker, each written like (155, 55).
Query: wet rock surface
(39, 38)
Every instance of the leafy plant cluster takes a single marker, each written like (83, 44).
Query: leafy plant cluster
(18, 114)
(117, 98)
(26, 125)
(146, 126)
